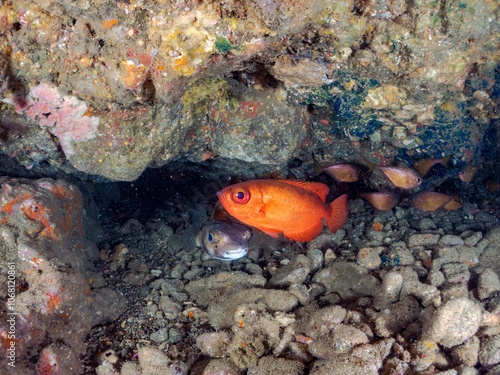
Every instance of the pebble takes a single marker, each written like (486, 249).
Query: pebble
(466, 353)
(450, 240)
(343, 365)
(223, 366)
(160, 335)
(369, 354)
(426, 239)
(435, 278)
(316, 258)
(426, 224)
(474, 239)
(396, 366)
(154, 361)
(276, 366)
(340, 339)
(488, 284)
(294, 272)
(130, 368)
(423, 354)
(175, 335)
(171, 309)
(214, 344)
(392, 283)
(323, 320)
(369, 257)
(348, 280)
(489, 354)
(453, 323)
(395, 317)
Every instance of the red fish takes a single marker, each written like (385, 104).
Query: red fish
(294, 208)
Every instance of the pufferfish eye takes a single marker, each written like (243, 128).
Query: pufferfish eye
(210, 237)
(240, 196)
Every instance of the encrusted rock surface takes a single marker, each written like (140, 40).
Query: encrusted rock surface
(128, 86)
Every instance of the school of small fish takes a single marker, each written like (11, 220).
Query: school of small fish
(405, 178)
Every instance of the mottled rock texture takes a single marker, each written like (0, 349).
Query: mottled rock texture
(42, 234)
(111, 89)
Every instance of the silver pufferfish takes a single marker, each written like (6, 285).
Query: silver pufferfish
(224, 240)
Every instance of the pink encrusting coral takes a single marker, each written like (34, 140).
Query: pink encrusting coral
(66, 115)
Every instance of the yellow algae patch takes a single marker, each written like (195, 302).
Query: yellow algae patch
(185, 41)
(385, 97)
(182, 65)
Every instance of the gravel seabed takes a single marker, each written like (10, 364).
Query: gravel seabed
(392, 292)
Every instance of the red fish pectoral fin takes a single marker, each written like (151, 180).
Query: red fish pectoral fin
(271, 233)
(337, 213)
(305, 235)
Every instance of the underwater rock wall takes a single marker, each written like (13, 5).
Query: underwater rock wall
(57, 294)
(111, 88)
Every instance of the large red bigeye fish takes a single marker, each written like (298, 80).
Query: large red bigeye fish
(294, 208)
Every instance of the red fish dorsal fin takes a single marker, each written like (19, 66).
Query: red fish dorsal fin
(314, 187)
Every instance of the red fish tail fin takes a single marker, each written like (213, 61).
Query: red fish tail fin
(337, 213)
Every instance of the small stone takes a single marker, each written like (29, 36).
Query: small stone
(153, 361)
(488, 284)
(423, 354)
(450, 240)
(171, 309)
(369, 257)
(150, 310)
(447, 372)
(474, 239)
(277, 366)
(453, 323)
(348, 280)
(466, 353)
(426, 239)
(426, 224)
(489, 353)
(160, 335)
(214, 344)
(343, 364)
(130, 368)
(392, 282)
(222, 366)
(322, 321)
(175, 335)
(293, 273)
(253, 269)
(435, 278)
(329, 257)
(384, 346)
(340, 339)
(395, 317)
(465, 370)
(370, 354)
(396, 366)
(316, 258)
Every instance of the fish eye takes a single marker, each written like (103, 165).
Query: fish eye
(210, 237)
(240, 196)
